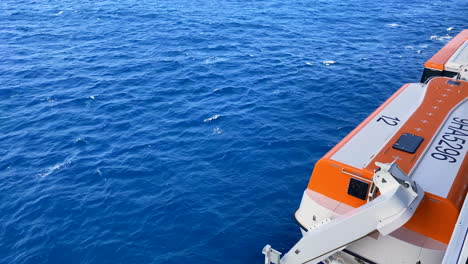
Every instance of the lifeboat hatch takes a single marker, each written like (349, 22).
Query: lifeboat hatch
(408, 143)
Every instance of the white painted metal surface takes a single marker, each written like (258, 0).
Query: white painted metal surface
(271, 255)
(464, 72)
(401, 246)
(316, 207)
(439, 165)
(457, 252)
(361, 149)
(458, 59)
(400, 196)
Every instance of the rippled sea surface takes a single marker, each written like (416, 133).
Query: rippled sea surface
(185, 131)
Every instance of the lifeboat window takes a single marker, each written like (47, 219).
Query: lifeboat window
(358, 188)
(408, 143)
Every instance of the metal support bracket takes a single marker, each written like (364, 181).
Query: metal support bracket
(271, 255)
(399, 197)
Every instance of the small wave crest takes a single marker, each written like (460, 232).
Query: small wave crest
(441, 38)
(211, 118)
(217, 131)
(213, 60)
(328, 62)
(56, 167)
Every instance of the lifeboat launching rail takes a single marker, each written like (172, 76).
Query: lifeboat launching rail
(394, 190)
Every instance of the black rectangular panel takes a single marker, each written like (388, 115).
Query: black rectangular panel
(358, 188)
(408, 143)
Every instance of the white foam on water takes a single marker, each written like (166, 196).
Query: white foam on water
(212, 60)
(393, 25)
(56, 167)
(79, 140)
(309, 63)
(441, 38)
(328, 62)
(59, 13)
(211, 118)
(419, 48)
(449, 29)
(217, 131)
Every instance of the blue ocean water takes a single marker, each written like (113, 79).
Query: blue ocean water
(185, 131)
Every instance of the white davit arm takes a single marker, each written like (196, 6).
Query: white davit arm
(399, 198)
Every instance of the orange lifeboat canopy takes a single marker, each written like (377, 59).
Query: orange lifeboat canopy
(424, 129)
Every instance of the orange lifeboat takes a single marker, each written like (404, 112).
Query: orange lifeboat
(417, 140)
